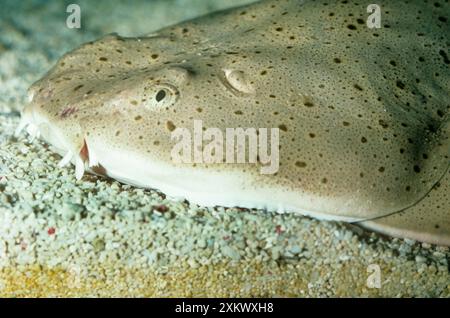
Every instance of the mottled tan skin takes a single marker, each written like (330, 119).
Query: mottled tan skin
(363, 113)
(426, 221)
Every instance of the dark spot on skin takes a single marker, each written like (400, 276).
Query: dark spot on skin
(300, 164)
(400, 84)
(199, 109)
(346, 123)
(282, 127)
(363, 140)
(170, 126)
(444, 56)
(351, 27)
(381, 169)
(134, 102)
(324, 180)
(263, 72)
(77, 88)
(238, 112)
(308, 104)
(383, 123)
(155, 56)
(358, 87)
(312, 135)
(156, 143)
(393, 63)
(138, 118)
(416, 169)
(337, 60)
(103, 59)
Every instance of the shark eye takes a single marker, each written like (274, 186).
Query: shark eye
(163, 95)
(160, 95)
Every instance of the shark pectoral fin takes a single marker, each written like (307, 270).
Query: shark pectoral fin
(427, 221)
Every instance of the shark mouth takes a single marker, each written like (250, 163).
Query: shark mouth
(83, 159)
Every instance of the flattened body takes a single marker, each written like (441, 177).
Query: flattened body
(362, 112)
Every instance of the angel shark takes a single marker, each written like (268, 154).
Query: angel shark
(362, 113)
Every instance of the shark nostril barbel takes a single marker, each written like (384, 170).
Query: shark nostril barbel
(22, 125)
(79, 168)
(66, 159)
(80, 160)
(33, 130)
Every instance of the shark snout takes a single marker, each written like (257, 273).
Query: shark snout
(69, 143)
